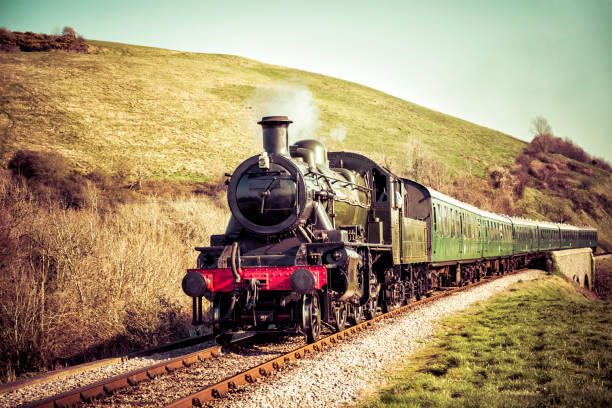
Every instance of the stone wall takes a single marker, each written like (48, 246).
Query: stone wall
(577, 264)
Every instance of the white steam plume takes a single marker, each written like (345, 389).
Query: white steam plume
(338, 134)
(283, 99)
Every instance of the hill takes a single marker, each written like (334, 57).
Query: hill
(166, 115)
(187, 116)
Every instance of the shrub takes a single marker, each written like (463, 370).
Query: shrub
(83, 284)
(28, 41)
(547, 143)
(68, 32)
(49, 176)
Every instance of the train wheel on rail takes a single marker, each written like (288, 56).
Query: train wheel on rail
(311, 317)
(340, 313)
(356, 314)
(419, 291)
(395, 298)
(221, 305)
(371, 307)
(225, 339)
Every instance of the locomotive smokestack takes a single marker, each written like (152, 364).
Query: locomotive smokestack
(275, 135)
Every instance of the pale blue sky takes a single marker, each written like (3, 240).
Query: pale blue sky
(495, 63)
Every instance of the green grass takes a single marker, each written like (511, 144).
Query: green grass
(181, 115)
(542, 344)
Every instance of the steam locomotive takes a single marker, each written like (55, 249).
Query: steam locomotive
(321, 239)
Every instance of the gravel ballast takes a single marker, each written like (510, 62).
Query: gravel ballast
(354, 368)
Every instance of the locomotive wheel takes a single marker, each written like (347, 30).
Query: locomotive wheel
(340, 315)
(311, 317)
(225, 339)
(221, 304)
(419, 289)
(356, 314)
(372, 305)
(398, 299)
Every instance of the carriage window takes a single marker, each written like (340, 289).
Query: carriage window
(470, 227)
(443, 215)
(457, 224)
(435, 219)
(445, 221)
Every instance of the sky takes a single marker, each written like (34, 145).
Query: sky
(495, 63)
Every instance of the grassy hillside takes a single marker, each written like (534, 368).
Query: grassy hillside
(565, 190)
(191, 116)
(165, 115)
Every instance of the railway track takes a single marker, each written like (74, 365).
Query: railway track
(218, 389)
(80, 368)
(109, 386)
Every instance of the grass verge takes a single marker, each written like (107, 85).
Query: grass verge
(541, 344)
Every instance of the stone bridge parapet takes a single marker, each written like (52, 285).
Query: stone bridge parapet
(577, 264)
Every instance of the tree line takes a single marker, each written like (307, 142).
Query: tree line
(29, 41)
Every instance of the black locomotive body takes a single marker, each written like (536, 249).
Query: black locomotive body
(306, 244)
(319, 238)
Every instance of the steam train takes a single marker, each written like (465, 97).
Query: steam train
(318, 239)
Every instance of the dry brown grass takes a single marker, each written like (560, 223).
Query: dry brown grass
(419, 164)
(603, 277)
(79, 284)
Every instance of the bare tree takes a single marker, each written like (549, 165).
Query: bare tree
(539, 126)
(69, 31)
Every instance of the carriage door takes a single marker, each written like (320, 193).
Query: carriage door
(460, 234)
(396, 201)
(382, 203)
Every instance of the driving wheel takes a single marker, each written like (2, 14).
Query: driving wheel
(311, 317)
(340, 315)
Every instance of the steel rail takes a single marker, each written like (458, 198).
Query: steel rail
(109, 386)
(265, 369)
(81, 368)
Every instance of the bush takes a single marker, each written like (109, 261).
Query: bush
(84, 284)
(547, 143)
(28, 41)
(49, 176)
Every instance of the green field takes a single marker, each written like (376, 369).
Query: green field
(190, 116)
(542, 344)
